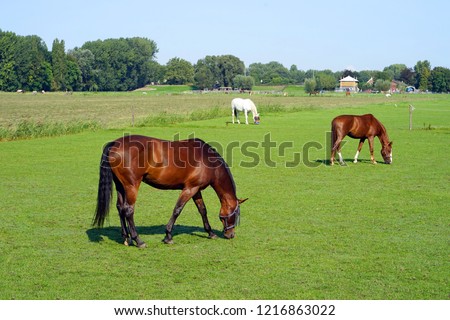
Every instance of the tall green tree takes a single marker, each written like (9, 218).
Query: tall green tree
(155, 72)
(59, 65)
(179, 71)
(217, 71)
(73, 80)
(86, 64)
(296, 76)
(325, 80)
(310, 85)
(382, 85)
(423, 74)
(395, 70)
(8, 76)
(270, 73)
(207, 73)
(229, 66)
(121, 64)
(243, 82)
(440, 79)
(351, 73)
(34, 71)
(408, 76)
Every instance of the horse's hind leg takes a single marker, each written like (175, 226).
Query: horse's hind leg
(234, 114)
(198, 200)
(337, 147)
(122, 212)
(122, 215)
(361, 142)
(126, 198)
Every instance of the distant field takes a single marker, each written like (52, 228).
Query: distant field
(56, 112)
(308, 230)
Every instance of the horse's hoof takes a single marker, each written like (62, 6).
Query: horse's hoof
(355, 161)
(168, 241)
(142, 245)
(128, 242)
(213, 236)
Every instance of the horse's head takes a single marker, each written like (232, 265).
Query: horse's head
(256, 118)
(386, 153)
(231, 220)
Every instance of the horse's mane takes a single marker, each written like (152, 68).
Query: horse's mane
(253, 107)
(218, 157)
(384, 135)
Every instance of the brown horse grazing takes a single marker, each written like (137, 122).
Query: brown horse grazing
(362, 128)
(189, 165)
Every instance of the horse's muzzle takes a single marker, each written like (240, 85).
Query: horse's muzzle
(229, 234)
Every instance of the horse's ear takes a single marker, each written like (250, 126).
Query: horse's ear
(390, 143)
(242, 200)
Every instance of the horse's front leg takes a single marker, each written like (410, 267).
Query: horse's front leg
(184, 197)
(361, 142)
(198, 200)
(246, 116)
(372, 158)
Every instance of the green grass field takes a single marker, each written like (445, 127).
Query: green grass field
(308, 230)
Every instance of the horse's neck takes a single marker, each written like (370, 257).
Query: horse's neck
(383, 136)
(253, 109)
(225, 187)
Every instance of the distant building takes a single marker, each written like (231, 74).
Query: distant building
(348, 84)
(394, 87)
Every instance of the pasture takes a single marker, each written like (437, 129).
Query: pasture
(308, 230)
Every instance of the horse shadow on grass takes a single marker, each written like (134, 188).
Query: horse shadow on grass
(115, 233)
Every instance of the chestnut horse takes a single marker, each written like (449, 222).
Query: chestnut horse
(362, 128)
(188, 165)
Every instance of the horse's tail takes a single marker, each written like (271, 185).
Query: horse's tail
(104, 196)
(333, 134)
(233, 107)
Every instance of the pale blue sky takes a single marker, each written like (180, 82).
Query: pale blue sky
(321, 35)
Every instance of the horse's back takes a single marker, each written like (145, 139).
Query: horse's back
(342, 122)
(161, 163)
(355, 126)
(250, 104)
(351, 117)
(237, 103)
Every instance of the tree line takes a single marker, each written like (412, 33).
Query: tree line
(129, 63)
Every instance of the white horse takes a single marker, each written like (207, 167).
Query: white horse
(246, 105)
